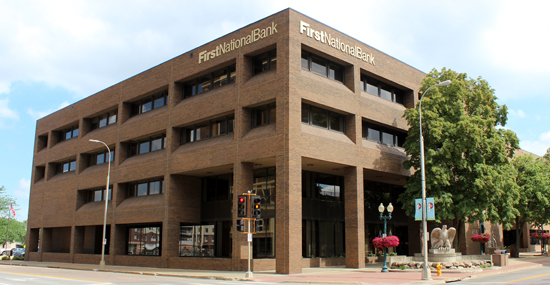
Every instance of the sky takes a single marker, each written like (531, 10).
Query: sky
(54, 53)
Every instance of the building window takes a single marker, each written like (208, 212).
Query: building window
(319, 117)
(68, 133)
(66, 166)
(209, 81)
(146, 188)
(104, 120)
(97, 195)
(379, 134)
(322, 66)
(322, 186)
(149, 103)
(149, 144)
(264, 115)
(210, 239)
(382, 90)
(217, 188)
(264, 62)
(101, 157)
(139, 244)
(207, 129)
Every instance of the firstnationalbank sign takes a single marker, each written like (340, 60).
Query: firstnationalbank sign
(225, 47)
(336, 43)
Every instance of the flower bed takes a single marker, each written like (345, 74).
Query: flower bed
(481, 237)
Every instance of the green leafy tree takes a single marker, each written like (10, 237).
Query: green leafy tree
(467, 152)
(534, 181)
(17, 230)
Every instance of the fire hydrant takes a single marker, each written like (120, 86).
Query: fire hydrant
(438, 267)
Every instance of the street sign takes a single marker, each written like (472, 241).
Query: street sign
(249, 237)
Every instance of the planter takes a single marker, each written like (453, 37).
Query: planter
(372, 259)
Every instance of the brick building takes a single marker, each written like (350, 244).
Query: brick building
(307, 117)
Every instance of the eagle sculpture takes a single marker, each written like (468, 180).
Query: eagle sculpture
(443, 238)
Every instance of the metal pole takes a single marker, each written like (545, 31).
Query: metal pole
(385, 267)
(249, 272)
(426, 274)
(103, 242)
(8, 229)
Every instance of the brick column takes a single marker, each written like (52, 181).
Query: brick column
(355, 217)
(243, 176)
(289, 215)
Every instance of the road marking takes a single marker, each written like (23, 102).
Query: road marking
(528, 278)
(52, 276)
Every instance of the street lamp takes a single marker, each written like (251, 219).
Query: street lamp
(426, 274)
(106, 197)
(385, 218)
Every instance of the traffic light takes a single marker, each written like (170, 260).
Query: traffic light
(240, 225)
(259, 226)
(256, 202)
(241, 206)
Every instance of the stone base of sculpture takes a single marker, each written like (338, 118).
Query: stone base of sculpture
(440, 251)
(440, 257)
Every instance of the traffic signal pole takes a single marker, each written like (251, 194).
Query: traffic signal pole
(249, 274)
(249, 205)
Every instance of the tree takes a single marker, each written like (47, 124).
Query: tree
(467, 152)
(534, 181)
(17, 230)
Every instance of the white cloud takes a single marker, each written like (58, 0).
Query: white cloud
(7, 115)
(521, 114)
(23, 189)
(39, 114)
(539, 146)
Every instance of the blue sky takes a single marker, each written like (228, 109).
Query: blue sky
(54, 53)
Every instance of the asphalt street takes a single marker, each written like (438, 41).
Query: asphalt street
(18, 275)
(539, 275)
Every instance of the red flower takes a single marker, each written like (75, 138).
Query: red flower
(389, 241)
(481, 237)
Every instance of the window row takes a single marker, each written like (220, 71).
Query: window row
(66, 166)
(100, 157)
(97, 195)
(68, 133)
(319, 117)
(322, 66)
(149, 103)
(383, 135)
(210, 81)
(264, 62)
(264, 115)
(207, 129)
(145, 188)
(382, 90)
(144, 240)
(149, 144)
(104, 120)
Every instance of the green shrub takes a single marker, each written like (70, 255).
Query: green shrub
(5, 258)
(393, 253)
(402, 267)
(18, 258)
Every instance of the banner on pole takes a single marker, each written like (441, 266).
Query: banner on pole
(430, 205)
(418, 209)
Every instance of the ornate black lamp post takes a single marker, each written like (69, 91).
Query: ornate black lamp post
(385, 218)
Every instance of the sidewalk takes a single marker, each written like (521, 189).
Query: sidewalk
(337, 275)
